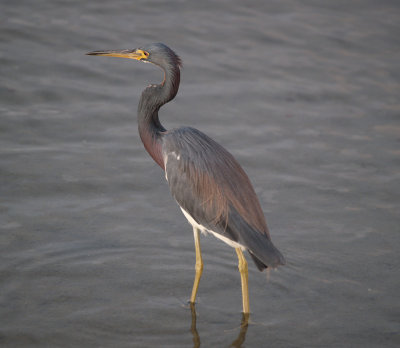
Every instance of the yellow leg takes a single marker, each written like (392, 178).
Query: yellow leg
(244, 276)
(199, 264)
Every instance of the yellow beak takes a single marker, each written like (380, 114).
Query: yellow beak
(131, 54)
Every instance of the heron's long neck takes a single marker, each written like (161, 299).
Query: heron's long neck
(153, 97)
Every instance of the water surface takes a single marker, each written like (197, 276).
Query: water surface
(95, 252)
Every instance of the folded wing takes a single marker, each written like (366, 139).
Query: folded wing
(210, 185)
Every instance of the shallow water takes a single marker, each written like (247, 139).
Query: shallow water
(95, 252)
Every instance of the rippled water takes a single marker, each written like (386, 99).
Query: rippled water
(94, 251)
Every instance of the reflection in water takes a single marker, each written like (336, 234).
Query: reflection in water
(237, 343)
(193, 328)
(243, 329)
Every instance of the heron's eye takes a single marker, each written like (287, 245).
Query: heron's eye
(146, 53)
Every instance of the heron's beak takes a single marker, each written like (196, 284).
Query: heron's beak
(131, 54)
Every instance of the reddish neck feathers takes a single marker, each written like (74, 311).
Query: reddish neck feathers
(151, 138)
(153, 97)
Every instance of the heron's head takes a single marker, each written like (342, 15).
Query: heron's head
(156, 53)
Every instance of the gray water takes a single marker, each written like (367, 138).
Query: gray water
(95, 252)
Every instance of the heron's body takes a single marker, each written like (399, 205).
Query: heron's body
(215, 193)
(209, 185)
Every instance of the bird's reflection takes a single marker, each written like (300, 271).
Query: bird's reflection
(237, 343)
(193, 328)
(243, 329)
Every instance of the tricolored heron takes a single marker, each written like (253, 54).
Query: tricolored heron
(210, 186)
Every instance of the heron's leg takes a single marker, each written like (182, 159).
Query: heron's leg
(199, 264)
(244, 276)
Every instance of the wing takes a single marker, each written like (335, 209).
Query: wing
(211, 186)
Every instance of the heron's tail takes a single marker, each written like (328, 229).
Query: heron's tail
(271, 257)
(257, 243)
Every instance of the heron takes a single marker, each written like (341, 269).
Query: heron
(209, 185)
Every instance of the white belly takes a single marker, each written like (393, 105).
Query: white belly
(205, 231)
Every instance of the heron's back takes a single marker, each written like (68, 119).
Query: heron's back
(211, 186)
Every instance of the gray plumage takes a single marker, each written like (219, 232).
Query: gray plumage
(210, 185)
